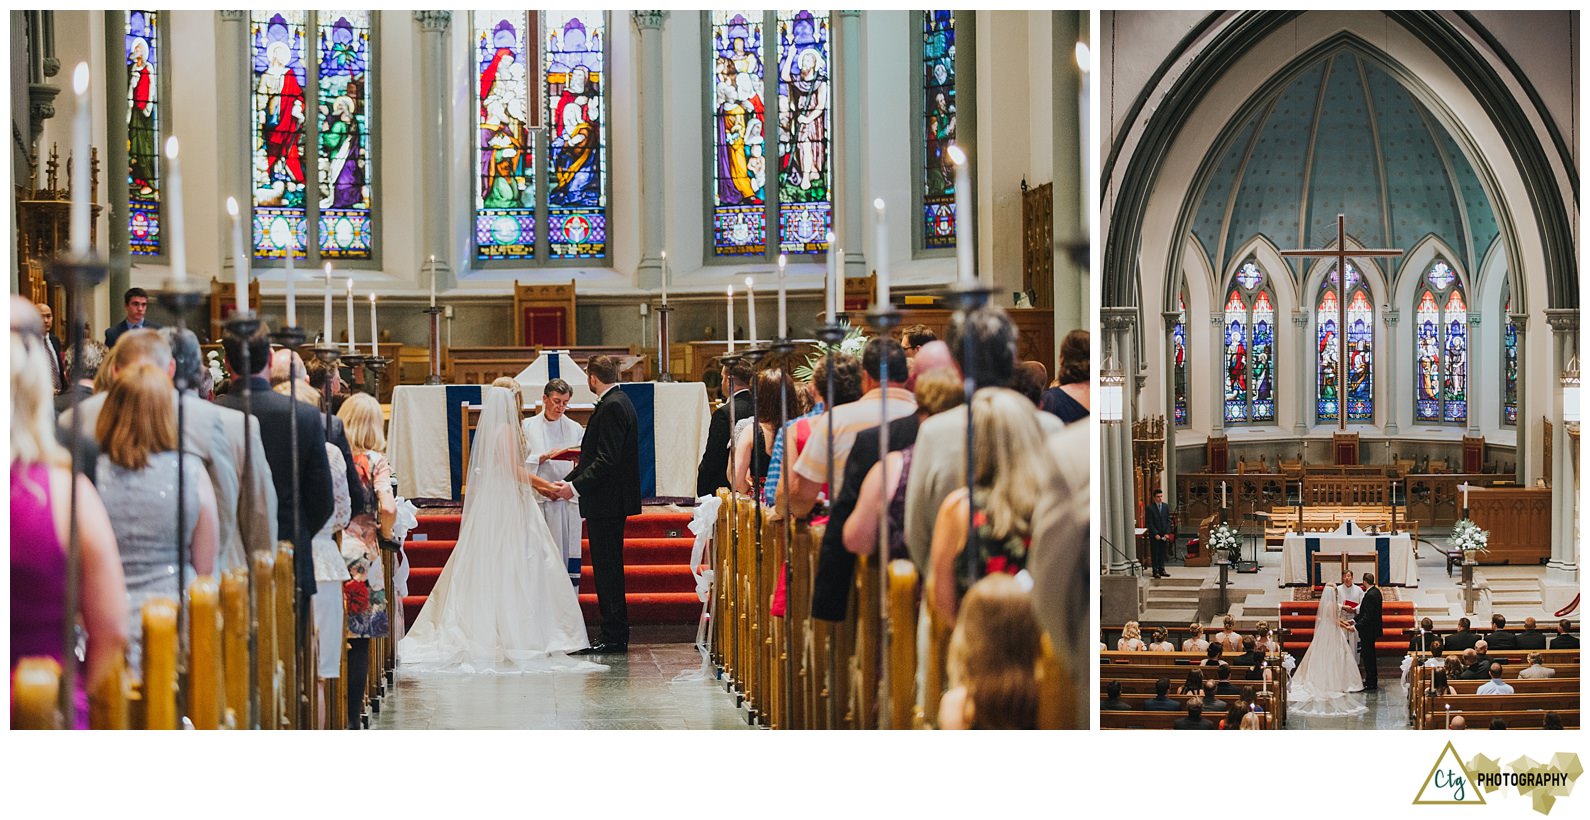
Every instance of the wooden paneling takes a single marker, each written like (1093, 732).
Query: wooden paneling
(482, 365)
(1434, 499)
(1519, 521)
(1037, 245)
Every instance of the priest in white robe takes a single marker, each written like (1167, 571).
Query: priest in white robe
(551, 437)
(1351, 595)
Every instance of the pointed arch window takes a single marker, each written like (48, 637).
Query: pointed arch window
(1441, 347)
(938, 129)
(771, 156)
(1178, 342)
(1250, 347)
(1509, 360)
(1358, 396)
(311, 104)
(144, 50)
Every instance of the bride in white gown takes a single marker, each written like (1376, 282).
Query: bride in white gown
(503, 602)
(1326, 680)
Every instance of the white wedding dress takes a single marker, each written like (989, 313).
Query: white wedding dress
(1327, 682)
(503, 603)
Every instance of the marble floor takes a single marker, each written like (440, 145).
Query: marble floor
(636, 691)
(1388, 709)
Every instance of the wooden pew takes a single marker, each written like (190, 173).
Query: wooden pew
(1162, 720)
(902, 645)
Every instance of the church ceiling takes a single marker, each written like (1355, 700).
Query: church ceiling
(1344, 136)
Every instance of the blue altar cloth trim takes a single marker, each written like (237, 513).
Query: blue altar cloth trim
(644, 397)
(554, 367)
(457, 394)
(1311, 546)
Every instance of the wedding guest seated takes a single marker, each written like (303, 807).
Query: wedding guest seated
(1472, 668)
(1264, 639)
(992, 659)
(1225, 686)
(138, 481)
(1482, 655)
(1454, 667)
(1500, 638)
(1013, 467)
(1069, 399)
(1193, 685)
(1235, 714)
(1495, 686)
(736, 384)
(1426, 639)
(1228, 635)
(1251, 657)
(1462, 639)
(1537, 668)
(1161, 642)
(804, 478)
(1498, 723)
(1212, 703)
(1564, 639)
(1530, 638)
(1212, 655)
(1131, 639)
(41, 518)
(1439, 684)
(1194, 719)
(81, 373)
(1030, 379)
(1552, 720)
(912, 338)
(1457, 723)
(1196, 643)
(1161, 702)
(753, 437)
(1252, 720)
(1112, 702)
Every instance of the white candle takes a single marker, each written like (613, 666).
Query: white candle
(839, 283)
(731, 318)
(665, 278)
(239, 262)
(1222, 494)
(350, 316)
(880, 248)
(433, 280)
(325, 333)
(750, 309)
(963, 215)
(375, 338)
(828, 281)
(1465, 495)
(783, 316)
(179, 251)
(292, 289)
(81, 195)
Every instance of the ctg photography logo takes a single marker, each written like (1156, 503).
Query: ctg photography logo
(1452, 781)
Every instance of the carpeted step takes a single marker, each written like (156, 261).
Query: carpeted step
(649, 608)
(637, 552)
(1297, 617)
(439, 526)
(644, 579)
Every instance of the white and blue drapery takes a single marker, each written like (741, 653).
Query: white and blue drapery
(1395, 562)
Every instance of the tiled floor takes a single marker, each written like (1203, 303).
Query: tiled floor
(1388, 709)
(637, 691)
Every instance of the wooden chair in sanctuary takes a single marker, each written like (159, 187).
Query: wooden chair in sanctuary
(543, 315)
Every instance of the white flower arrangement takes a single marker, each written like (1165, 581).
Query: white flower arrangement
(1223, 538)
(212, 361)
(1468, 537)
(854, 342)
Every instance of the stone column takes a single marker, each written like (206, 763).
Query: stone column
(1563, 568)
(1217, 346)
(117, 257)
(1521, 437)
(847, 160)
(234, 112)
(1168, 362)
(1390, 392)
(1120, 516)
(653, 145)
(1070, 182)
(1473, 377)
(1305, 384)
(435, 102)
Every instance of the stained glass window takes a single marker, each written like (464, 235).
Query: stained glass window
(1509, 362)
(739, 214)
(805, 121)
(1178, 341)
(143, 51)
(938, 126)
(1360, 390)
(1441, 347)
(344, 139)
(277, 40)
(1250, 348)
(576, 75)
(505, 225)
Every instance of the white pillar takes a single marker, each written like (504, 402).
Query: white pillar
(1120, 515)
(1391, 394)
(846, 156)
(1167, 361)
(1563, 568)
(653, 145)
(1473, 377)
(435, 147)
(1304, 405)
(1217, 347)
(1070, 181)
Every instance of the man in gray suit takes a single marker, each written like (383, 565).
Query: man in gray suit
(247, 515)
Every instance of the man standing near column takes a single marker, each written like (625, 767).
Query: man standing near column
(1161, 533)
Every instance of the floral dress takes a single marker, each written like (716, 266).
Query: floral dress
(1007, 555)
(364, 593)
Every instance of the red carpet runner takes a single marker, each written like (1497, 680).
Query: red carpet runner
(657, 580)
(1297, 617)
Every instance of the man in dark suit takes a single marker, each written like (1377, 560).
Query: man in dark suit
(1160, 532)
(81, 374)
(1500, 639)
(606, 480)
(1251, 657)
(1530, 638)
(136, 303)
(714, 470)
(1194, 719)
(274, 412)
(1565, 639)
(1225, 686)
(1463, 638)
(52, 346)
(1369, 627)
(1113, 702)
(1162, 701)
(1425, 639)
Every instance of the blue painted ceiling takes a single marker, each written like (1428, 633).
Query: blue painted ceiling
(1346, 137)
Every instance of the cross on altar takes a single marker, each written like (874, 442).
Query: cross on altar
(1341, 253)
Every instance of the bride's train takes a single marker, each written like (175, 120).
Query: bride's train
(1327, 682)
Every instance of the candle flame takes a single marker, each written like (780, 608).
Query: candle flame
(782, 259)
(878, 204)
(171, 148)
(748, 285)
(328, 273)
(80, 79)
(731, 291)
(1084, 56)
(372, 297)
(350, 284)
(957, 156)
(231, 206)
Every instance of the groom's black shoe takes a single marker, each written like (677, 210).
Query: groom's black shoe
(606, 649)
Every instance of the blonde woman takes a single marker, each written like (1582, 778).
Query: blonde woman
(41, 484)
(992, 659)
(1131, 639)
(364, 593)
(1196, 643)
(1013, 468)
(1228, 636)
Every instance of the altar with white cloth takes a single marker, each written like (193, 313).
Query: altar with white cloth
(1395, 561)
(426, 437)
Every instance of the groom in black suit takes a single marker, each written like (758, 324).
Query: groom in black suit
(607, 482)
(1369, 628)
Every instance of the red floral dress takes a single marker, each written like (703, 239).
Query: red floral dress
(1007, 555)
